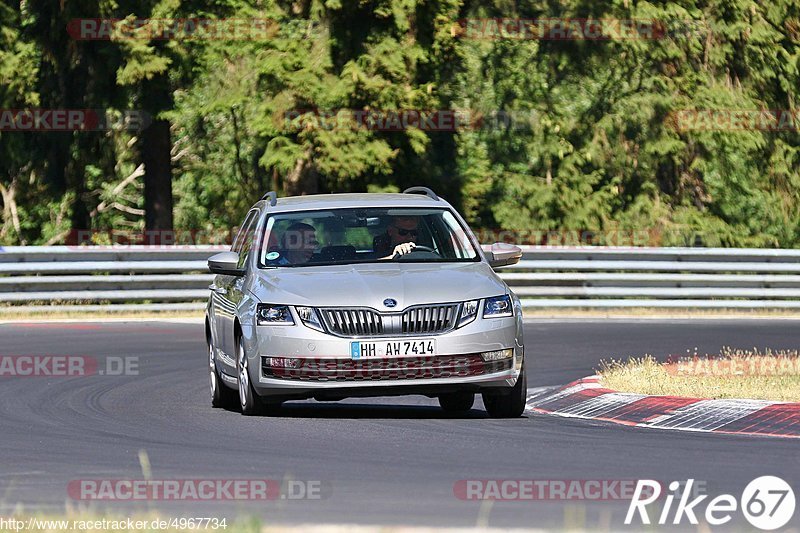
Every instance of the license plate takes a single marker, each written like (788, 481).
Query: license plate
(392, 348)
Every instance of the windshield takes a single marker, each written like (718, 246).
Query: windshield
(346, 236)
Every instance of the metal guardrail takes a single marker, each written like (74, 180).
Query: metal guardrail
(79, 279)
(599, 277)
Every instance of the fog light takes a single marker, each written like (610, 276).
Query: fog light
(498, 355)
(282, 362)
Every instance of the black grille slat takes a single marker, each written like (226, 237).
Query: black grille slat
(362, 322)
(349, 322)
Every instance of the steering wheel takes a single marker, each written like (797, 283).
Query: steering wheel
(423, 248)
(426, 252)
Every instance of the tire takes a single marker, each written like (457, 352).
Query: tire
(457, 402)
(249, 401)
(510, 404)
(221, 395)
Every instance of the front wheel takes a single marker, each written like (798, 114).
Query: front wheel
(248, 400)
(510, 404)
(221, 396)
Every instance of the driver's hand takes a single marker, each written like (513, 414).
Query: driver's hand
(403, 248)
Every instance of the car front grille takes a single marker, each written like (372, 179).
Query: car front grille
(405, 368)
(363, 321)
(429, 319)
(353, 321)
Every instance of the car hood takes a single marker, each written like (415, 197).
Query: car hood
(369, 284)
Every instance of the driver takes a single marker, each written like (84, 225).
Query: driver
(400, 237)
(298, 243)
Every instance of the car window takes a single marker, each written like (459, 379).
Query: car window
(454, 238)
(239, 240)
(343, 236)
(244, 241)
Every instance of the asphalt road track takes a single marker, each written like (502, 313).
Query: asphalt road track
(382, 461)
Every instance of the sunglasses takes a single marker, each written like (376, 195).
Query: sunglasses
(405, 232)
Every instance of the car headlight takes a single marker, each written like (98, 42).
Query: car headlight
(274, 315)
(469, 310)
(497, 307)
(310, 317)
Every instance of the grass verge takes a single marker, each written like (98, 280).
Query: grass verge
(740, 374)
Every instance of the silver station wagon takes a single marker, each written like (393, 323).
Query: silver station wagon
(351, 295)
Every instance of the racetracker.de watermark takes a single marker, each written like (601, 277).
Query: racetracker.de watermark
(773, 366)
(571, 238)
(559, 29)
(197, 489)
(189, 29)
(544, 489)
(202, 239)
(735, 120)
(384, 120)
(70, 120)
(35, 523)
(67, 366)
(150, 239)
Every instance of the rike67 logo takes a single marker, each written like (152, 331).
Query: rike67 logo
(767, 502)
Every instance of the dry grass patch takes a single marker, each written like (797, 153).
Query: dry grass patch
(732, 373)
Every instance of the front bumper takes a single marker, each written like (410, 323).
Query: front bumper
(326, 370)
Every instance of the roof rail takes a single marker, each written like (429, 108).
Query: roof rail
(273, 198)
(424, 190)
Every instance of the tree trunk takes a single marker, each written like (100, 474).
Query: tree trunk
(155, 146)
(303, 178)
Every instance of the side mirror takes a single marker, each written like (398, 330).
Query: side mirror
(226, 263)
(502, 254)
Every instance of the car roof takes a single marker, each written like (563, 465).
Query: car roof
(345, 200)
